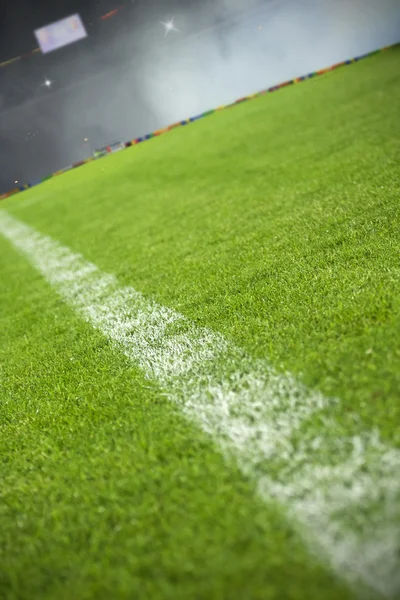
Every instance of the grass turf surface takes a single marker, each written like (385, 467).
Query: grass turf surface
(275, 223)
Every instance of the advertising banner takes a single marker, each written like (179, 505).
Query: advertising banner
(61, 33)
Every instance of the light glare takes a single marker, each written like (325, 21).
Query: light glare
(169, 26)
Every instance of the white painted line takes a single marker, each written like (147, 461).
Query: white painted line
(343, 493)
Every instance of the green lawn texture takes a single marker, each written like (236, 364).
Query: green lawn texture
(275, 223)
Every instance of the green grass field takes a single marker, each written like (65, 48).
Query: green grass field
(275, 224)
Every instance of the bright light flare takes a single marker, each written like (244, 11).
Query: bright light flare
(169, 26)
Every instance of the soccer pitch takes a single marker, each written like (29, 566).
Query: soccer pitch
(200, 361)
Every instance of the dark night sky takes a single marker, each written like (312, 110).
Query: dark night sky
(127, 79)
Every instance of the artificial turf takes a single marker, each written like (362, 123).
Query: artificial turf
(275, 223)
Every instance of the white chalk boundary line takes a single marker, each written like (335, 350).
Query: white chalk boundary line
(343, 493)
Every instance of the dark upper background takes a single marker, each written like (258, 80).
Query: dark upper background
(127, 79)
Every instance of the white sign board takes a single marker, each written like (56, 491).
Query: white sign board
(61, 33)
